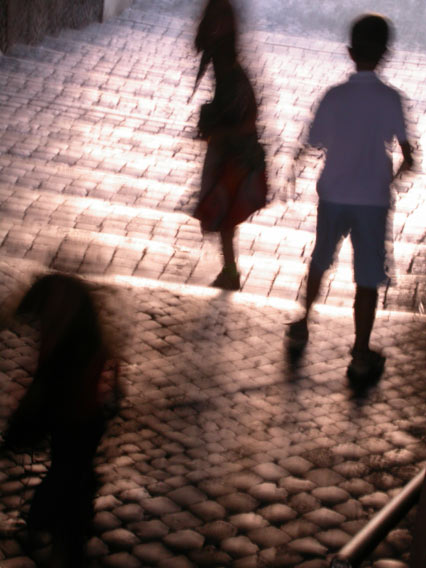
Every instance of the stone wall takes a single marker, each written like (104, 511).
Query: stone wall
(27, 21)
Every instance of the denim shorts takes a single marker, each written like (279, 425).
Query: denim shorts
(366, 225)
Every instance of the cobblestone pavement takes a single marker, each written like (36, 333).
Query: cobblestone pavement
(99, 168)
(223, 454)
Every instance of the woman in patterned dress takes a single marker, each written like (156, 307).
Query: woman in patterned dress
(233, 184)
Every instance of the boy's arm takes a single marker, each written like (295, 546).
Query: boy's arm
(407, 162)
(314, 137)
(408, 156)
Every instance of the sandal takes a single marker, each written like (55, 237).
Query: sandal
(366, 365)
(298, 335)
(227, 280)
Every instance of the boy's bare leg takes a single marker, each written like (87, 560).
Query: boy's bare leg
(364, 314)
(298, 330)
(313, 285)
(366, 365)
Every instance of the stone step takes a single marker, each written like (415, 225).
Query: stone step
(86, 129)
(280, 124)
(84, 213)
(22, 204)
(83, 235)
(168, 189)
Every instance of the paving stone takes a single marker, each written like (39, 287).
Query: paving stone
(187, 496)
(96, 548)
(382, 480)
(149, 530)
(217, 531)
(325, 518)
(324, 477)
(238, 502)
(353, 527)
(239, 546)
(176, 562)
(278, 513)
(400, 539)
(303, 503)
(180, 521)
(300, 528)
(248, 562)
(333, 538)
(375, 445)
(350, 509)
(120, 538)
(209, 510)
(159, 506)
(349, 451)
(317, 563)
(121, 560)
(269, 471)
(248, 521)
(351, 469)
(375, 500)
(129, 513)
(357, 487)
(106, 502)
(215, 488)
(209, 556)
(295, 485)
(331, 495)
(105, 521)
(243, 480)
(268, 537)
(268, 492)
(389, 563)
(184, 540)
(308, 545)
(296, 465)
(152, 553)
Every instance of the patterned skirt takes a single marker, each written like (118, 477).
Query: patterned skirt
(231, 190)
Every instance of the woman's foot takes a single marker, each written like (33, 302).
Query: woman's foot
(227, 279)
(366, 365)
(298, 335)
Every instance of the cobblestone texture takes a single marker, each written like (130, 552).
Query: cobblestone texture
(99, 168)
(223, 453)
(309, 461)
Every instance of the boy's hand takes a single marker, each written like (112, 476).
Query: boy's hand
(408, 161)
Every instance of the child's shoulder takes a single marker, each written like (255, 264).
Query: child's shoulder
(374, 85)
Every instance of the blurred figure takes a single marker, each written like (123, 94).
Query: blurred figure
(217, 31)
(64, 401)
(233, 184)
(354, 123)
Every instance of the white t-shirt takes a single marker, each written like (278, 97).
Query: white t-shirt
(354, 122)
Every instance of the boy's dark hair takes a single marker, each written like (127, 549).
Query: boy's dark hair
(370, 35)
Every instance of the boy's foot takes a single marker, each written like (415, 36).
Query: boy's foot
(366, 366)
(298, 335)
(227, 279)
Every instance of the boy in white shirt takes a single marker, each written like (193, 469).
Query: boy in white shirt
(353, 123)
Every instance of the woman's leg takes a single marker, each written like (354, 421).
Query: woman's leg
(228, 278)
(227, 242)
